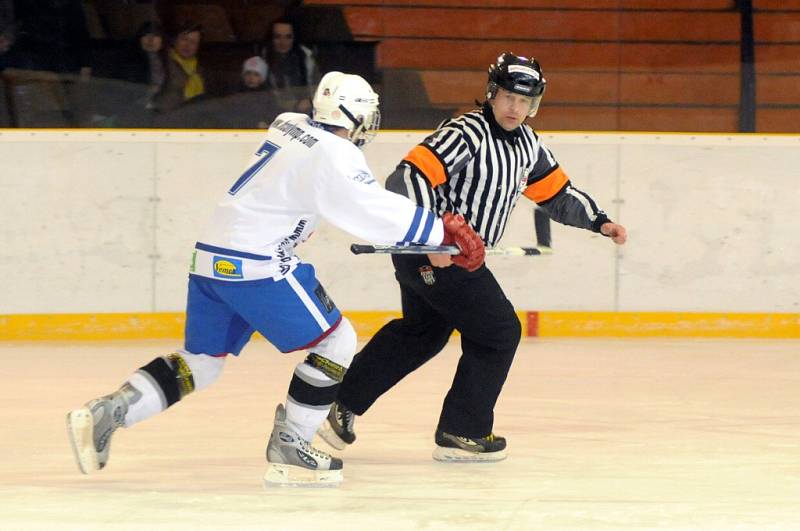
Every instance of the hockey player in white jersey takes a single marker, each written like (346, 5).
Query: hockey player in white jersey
(244, 277)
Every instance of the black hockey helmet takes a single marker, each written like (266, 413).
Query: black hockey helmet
(519, 75)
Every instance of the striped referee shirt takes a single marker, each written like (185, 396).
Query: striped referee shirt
(472, 166)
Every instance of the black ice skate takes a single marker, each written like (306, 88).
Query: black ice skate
(293, 462)
(456, 449)
(337, 430)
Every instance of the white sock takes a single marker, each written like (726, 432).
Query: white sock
(305, 419)
(145, 398)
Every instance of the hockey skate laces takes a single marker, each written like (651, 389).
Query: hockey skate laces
(347, 419)
(313, 451)
(344, 416)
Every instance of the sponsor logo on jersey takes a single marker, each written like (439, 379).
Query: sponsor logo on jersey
(193, 265)
(294, 132)
(426, 272)
(363, 177)
(225, 267)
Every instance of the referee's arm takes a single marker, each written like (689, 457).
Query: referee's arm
(563, 202)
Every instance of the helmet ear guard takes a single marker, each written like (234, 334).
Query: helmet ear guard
(519, 75)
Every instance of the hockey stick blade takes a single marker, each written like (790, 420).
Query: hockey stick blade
(357, 248)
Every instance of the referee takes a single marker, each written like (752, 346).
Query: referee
(477, 165)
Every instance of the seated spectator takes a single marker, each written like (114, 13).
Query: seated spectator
(149, 66)
(254, 75)
(290, 63)
(142, 62)
(184, 75)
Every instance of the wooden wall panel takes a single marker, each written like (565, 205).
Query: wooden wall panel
(376, 21)
(658, 88)
(690, 5)
(775, 58)
(679, 119)
(576, 118)
(477, 55)
(778, 88)
(776, 5)
(769, 120)
(776, 27)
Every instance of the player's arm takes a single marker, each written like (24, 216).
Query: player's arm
(353, 201)
(357, 204)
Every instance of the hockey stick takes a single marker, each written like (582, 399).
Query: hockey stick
(358, 248)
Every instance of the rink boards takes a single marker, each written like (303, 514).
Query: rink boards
(169, 325)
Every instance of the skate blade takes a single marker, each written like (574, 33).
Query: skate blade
(330, 437)
(457, 455)
(279, 475)
(80, 426)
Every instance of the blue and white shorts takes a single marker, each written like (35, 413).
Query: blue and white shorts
(293, 312)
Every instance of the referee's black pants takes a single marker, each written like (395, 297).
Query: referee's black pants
(453, 298)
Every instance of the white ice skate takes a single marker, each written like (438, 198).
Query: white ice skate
(90, 429)
(293, 462)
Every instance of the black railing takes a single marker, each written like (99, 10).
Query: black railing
(747, 102)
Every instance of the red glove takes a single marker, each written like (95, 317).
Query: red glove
(458, 232)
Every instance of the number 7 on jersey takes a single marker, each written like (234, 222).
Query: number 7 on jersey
(268, 149)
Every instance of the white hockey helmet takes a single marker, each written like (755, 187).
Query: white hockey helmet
(347, 100)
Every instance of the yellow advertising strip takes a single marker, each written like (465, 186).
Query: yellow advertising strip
(169, 325)
(107, 326)
(91, 326)
(669, 324)
(367, 324)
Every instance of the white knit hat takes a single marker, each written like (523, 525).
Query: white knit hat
(257, 65)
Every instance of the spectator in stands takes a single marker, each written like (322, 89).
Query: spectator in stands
(143, 62)
(150, 67)
(184, 75)
(254, 75)
(52, 35)
(291, 64)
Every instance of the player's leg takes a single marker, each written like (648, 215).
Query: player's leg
(295, 313)
(312, 390)
(212, 331)
(397, 349)
(490, 333)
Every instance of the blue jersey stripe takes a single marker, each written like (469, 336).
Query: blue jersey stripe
(426, 231)
(230, 252)
(412, 230)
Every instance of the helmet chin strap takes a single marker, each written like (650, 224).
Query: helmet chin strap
(358, 123)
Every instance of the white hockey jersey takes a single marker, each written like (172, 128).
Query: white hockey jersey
(300, 175)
